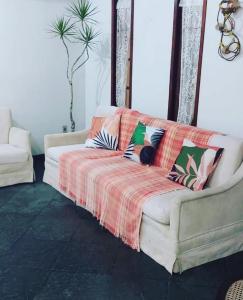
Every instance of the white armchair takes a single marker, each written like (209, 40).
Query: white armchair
(16, 162)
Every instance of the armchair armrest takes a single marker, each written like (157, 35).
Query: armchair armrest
(20, 138)
(209, 211)
(63, 139)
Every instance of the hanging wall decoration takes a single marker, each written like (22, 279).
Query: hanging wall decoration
(229, 47)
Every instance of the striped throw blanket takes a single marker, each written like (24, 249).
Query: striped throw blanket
(112, 188)
(172, 141)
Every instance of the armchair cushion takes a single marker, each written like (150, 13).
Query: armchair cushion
(11, 154)
(20, 138)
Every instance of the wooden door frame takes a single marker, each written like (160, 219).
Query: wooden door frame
(114, 48)
(175, 69)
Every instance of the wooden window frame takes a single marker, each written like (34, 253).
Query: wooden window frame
(113, 52)
(175, 70)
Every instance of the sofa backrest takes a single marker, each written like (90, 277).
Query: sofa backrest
(171, 143)
(129, 120)
(105, 110)
(230, 161)
(5, 124)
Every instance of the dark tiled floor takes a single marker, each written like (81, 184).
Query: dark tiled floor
(51, 249)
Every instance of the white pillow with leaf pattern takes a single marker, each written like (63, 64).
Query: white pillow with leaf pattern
(104, 133)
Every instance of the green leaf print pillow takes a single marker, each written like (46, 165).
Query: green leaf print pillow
(194, 164)
(144, 143)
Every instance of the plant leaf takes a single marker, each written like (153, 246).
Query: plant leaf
(63, 28)
(83, 11)
(87, 36)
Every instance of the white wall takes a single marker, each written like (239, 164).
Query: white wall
(220, 106)
(32, 72)
(153, 25)
(98, 70)
(221, 97)
(151, 58)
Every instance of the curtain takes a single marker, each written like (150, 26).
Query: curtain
(191, 34)
(123, 45)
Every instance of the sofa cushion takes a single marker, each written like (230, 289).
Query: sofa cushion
(104, 132)
(158, 207)
(229, 162)
(54, 153)
(11, 154)
(144, 143)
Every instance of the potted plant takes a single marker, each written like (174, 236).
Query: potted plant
(76, 27)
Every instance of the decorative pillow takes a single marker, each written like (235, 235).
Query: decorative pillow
(194, 164)
(104, 133)
(144, 142)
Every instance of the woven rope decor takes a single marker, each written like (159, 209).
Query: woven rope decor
(235, 291)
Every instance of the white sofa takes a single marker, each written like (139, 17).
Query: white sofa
(16, 162)
(180, 229)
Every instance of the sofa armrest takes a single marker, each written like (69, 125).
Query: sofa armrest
(63, 139)
(20, 138)
(209, 211)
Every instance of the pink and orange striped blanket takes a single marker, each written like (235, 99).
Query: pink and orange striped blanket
(114, 188)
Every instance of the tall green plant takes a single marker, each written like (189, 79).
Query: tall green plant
(78, 27)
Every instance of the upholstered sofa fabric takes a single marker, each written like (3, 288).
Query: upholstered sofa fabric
(180, 229)
(55, 153)
(11, 154)
(159, 207)
(229, 162)
(16, 163)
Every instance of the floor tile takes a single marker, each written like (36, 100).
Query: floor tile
(35, 253)
(58, 287)
(57, 221)
(86, 258)
(151, 289)
(136, 264)
(211, 275)
(6, 193)
(21, 282)
(64, 285)
(12, 227)
(31, 201)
